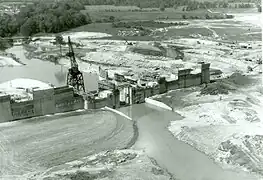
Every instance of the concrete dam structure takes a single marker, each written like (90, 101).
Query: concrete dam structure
(114, 93)
(123, 91)
(47, 101)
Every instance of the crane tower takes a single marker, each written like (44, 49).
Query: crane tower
(74, 76)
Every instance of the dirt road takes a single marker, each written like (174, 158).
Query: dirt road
(35, 146)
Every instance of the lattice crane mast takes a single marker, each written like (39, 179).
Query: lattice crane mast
(74, 76)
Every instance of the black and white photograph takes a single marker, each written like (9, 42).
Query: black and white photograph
(131, 90)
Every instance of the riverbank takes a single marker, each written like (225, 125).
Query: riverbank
(176, 156)
(9, 59)
(224, 124)
(113, 165)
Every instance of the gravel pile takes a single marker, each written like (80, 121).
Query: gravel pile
(239, 79)
(215, 88)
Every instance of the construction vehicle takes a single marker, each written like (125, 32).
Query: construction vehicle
(250, 69)
(128, 43)
(74, 76)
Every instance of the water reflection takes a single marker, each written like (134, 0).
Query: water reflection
(61, 75)
(43, 71)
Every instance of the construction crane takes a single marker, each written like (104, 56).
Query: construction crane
(74, 76)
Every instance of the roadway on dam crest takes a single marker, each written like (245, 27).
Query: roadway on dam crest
(180, 159)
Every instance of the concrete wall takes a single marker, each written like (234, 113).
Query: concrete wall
(124, 95)
(155, 90)
(205, 73)
(69, 104)
(48, 101)
(64, 91)
(184, 82)
(100, 103)
(104, 85)
(183, 72)
(192, 80)
(44, 102)
(65, 100)
(103, 73)
(119, 77)
(21, 110)
(116, 98)
(148, 92)
(112, 101)
(162, 85)
(90, 103)
(185, 79)
(171, 85)
(151, 91)
(138, 95)
(5, 109)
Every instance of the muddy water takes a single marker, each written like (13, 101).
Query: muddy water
(41, 70)
(180, 159)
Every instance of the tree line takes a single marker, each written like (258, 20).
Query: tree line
(243, 5)
(58, 16)
(42, 17)
(162, 4)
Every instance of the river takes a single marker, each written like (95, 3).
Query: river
(42, 71)
(180, 159)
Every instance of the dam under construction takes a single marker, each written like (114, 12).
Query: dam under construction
(116, 92)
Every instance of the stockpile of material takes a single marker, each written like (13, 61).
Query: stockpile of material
(239, 79)
(145, 50)
(215, 88)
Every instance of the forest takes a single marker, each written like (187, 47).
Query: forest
(57, 16)
(44, 17)
(190, 4)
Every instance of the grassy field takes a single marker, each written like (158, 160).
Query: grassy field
(133, 13)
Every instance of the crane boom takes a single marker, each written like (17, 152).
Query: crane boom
(71, 54)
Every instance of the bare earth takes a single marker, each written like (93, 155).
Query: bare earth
(34, 146)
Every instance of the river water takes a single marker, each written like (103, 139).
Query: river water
(182, 160)
(42, 71)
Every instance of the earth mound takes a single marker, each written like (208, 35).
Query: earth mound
(215, 89)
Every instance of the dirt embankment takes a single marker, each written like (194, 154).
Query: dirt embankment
(110, 165)
(61, 139)
(7, 59)
(231, 83)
